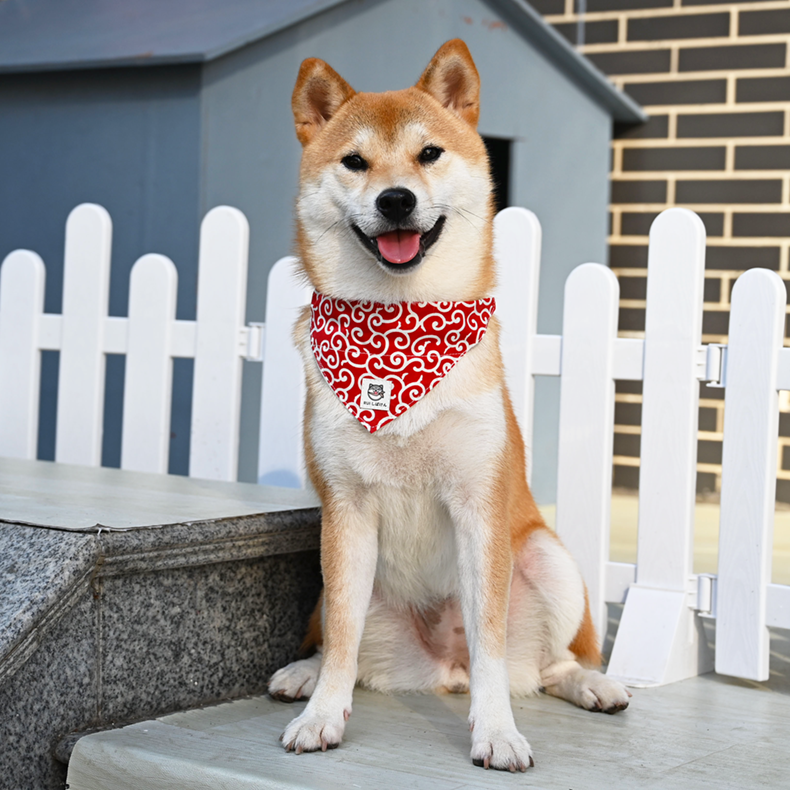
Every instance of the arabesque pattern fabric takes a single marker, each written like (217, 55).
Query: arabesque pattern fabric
(411, 345)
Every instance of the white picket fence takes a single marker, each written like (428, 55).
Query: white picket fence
(660, 638)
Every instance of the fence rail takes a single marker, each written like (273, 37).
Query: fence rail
(660, 638)
(150, 337)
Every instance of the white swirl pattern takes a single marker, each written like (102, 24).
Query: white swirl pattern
(413, 345)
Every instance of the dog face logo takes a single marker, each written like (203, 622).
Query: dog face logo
(375, 391)
(375, 394)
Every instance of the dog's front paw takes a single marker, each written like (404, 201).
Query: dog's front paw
(311, 732)
(505, 749)
(295, 681)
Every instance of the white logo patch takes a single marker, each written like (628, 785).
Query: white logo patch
(375, 394)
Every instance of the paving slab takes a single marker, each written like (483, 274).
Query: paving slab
(706, 732)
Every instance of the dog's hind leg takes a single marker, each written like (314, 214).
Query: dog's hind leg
(587, 688)
(554, 595)
(577, 678)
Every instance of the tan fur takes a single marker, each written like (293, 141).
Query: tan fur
(585, 645)
(439, 571)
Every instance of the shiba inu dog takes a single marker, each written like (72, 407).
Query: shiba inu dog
(439, 572)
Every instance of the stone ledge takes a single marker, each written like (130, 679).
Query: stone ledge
(99, 627)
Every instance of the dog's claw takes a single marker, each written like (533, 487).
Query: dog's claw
(346, 714)
(531, 762)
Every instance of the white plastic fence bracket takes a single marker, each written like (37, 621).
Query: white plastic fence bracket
(21, 306)
(216, 388)
(706, 594)
(714, 372)
(660, 640)
(748, 481)
(280, 452)
(254, 340)
(517, 239)
(86, 284)
(584, 476)
(149, 366)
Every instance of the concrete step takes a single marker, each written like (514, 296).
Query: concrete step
(125, 595)
(701, 733)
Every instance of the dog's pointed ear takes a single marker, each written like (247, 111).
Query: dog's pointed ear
(452, 79)
(317, 96)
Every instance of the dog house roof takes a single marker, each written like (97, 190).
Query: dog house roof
(47, 35)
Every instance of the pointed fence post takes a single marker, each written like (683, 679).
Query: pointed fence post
(660, 638)
(86, 288)
(517, 238)
(281, 453)
(584, 475)
(748, 480)
(149, 366)
(216, 388)
(21, 305)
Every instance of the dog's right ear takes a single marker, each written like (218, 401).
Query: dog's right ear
(319, 93)
(451, 77)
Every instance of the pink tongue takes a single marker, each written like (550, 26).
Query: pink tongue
(399, 246)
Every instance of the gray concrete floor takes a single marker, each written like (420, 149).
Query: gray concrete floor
(706, 732)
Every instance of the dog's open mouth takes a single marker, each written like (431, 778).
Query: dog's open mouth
(401, 250)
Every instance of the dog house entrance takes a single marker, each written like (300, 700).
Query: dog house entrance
(499, 157)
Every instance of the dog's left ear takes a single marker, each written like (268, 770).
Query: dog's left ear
(318, 95)
(452, 79)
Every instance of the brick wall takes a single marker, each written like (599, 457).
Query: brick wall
(715, 79)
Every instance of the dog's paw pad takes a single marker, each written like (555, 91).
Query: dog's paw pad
(503, 751)
(312, 734)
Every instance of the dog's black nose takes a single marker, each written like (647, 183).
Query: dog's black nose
(396, 204)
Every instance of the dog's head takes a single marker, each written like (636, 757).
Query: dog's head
(395, 197)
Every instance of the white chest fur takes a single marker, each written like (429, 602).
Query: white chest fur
(445, 446)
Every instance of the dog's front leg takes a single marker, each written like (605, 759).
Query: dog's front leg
(349, 547)
(485, 569)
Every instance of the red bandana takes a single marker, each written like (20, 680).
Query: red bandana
(380, 359)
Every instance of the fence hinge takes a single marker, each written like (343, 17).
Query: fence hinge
(706, 594)
(712, 364)
(251, 341)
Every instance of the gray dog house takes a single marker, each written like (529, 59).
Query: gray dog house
(160, 111)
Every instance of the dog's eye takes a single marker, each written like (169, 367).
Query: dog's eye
(430, 154)
(354, 162)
